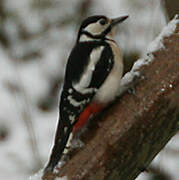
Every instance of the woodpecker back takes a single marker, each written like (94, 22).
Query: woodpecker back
(92, 79)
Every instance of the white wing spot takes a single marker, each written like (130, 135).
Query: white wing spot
(68, 145)
(65, 129)
(72, 118)
(86, 78)
(70, 90)
(74, 102)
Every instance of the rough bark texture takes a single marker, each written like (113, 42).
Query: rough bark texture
(131, 132)
(172, 8)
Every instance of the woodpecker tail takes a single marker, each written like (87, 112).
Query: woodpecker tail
(60, 145)
(64, 134)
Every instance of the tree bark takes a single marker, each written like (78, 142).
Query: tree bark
(171, 7)
(129, 134)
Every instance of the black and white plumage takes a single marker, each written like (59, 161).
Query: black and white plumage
(93, 74)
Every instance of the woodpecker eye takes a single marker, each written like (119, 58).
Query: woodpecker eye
(103, 21)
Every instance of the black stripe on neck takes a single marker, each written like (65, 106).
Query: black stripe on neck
(101, 37)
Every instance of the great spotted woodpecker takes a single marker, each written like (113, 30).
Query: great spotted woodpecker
(92, 80)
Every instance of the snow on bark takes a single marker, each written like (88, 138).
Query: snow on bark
(153, 46)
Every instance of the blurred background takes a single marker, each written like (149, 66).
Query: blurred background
(36, 37)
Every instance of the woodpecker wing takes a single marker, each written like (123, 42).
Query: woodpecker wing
(88, 66)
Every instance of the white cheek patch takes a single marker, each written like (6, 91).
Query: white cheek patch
(94, 28)
(87, 75)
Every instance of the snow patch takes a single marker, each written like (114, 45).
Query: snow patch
(154, 46)
(167, 31)
(37, 176)
(61, 178)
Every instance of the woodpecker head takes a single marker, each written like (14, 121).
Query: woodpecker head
(98, 27)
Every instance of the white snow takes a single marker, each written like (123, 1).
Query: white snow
(61, 178)
(38, 176)
(167, 31)
(153, 46)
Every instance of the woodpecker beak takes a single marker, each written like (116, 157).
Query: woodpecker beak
(118, 20)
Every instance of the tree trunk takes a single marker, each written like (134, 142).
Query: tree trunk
(171, 7)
